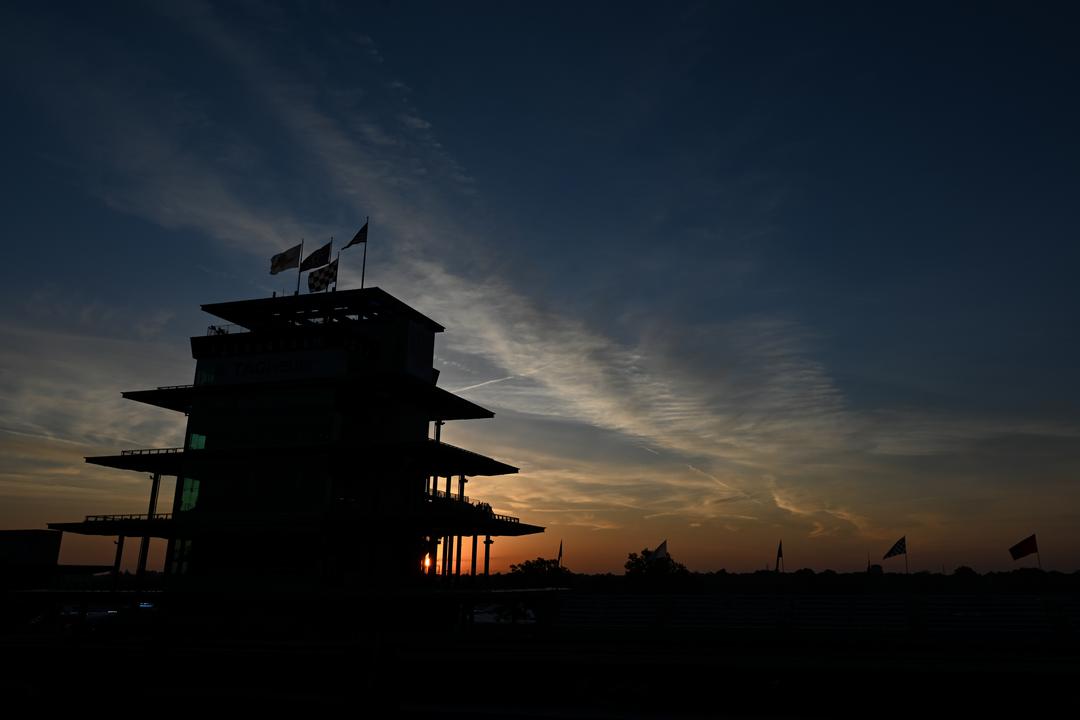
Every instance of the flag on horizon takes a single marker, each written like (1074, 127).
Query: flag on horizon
(659, 553)
(1025, 547)
(318, 258)
(359, 237)
(322, 278)
(560, 553)
(285, 260)
(899, 548)
(779, 554)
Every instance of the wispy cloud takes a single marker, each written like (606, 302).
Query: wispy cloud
(416, 123)
(739, 420)
(484, 384)
(66, 387)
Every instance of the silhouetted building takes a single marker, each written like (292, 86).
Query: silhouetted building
(308, 456)
(28, 556)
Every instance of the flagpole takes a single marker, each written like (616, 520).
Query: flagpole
(298, 266)
(363, 267)
(338, 267)
(338, 261)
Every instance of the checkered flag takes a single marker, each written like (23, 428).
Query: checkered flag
(322, 278)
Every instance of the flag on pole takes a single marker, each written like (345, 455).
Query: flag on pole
(322, 278)
(899, 548)
(560, 553)
(659, 553)
(1025, 547)
(779, 554)
(318, 258)
(285, 260)
(359, 237)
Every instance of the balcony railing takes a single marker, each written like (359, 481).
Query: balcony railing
(452, 496)
(136, 516)
(478, 505)
(153, 451)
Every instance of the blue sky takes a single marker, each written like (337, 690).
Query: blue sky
(739, 271)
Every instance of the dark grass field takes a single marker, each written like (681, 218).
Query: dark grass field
(794, 651)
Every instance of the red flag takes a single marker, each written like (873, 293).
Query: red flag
(1025, 547)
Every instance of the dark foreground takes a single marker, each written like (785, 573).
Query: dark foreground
(556, 653)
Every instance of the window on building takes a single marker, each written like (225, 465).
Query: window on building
(189, 494)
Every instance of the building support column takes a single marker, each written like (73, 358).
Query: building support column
(174, 548)
(119, 557)
(433, 481)
(461, 487)
(487, 555)
(457, 565)
(434, 554)
(472, 570)
(449, 554)
(447, 487)
(144, 547)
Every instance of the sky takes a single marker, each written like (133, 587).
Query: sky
(728, 273)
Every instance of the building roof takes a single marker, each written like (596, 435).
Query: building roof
(447, 517)
(427, 457)
(439, 404)
(443, 459)
(339, 306)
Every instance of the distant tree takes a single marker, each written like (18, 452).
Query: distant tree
(541, 570)
(647, 567)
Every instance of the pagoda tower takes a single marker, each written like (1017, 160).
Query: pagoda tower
(312, 454)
